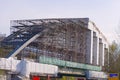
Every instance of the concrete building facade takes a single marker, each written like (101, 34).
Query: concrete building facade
(75, 45)
(96, 44)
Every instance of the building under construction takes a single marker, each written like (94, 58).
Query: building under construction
(75, 45)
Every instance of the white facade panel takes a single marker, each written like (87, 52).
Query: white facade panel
(26, 67)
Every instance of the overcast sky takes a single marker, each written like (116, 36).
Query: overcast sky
(104, 13)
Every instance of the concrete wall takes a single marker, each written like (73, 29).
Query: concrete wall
(96, 44)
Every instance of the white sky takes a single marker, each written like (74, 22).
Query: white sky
(104, 13)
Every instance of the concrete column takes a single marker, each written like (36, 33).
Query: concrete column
(95, 50)
(101, 54)
(106, 58)
(89, 45)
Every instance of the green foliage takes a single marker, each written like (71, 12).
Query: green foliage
(112, 48)
(4, 51)
(113, 65)
(2, 72)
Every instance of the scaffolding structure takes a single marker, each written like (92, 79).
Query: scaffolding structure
(64, 39)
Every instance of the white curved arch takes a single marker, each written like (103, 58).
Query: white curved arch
(28, 42)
